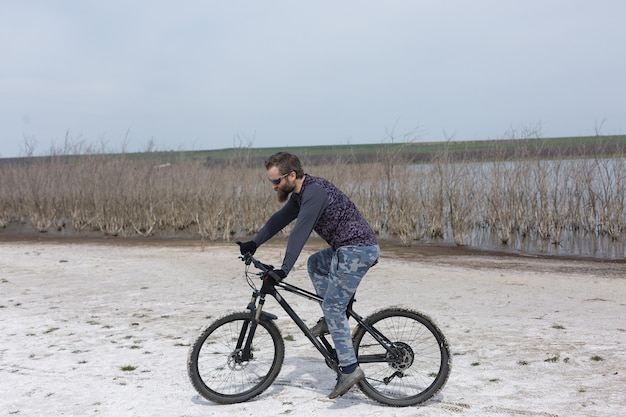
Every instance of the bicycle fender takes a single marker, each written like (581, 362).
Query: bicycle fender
(265, 316)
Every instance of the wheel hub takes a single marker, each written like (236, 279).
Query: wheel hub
(235, 362)
(402, 357)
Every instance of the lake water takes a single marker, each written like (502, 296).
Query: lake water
(577, 244)
(598, 181)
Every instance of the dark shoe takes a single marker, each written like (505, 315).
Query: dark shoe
(320, 328)
(346, 381)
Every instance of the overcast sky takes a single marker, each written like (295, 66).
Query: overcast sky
(191, 75)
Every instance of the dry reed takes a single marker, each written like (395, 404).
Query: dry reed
(124, 196)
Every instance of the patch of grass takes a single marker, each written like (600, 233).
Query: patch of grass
(289, 338)
(128, 368)
(4, 280)
(50, 330)
(558, 326)
(522, 362)
(475, 363)
(552, 359)
(597, 358)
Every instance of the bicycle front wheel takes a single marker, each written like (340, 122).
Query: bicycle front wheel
(219, 368)
(415, 367)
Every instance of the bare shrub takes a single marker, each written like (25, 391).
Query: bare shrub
(449, 198)
(516, 194)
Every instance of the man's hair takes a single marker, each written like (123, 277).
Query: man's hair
(285, 162)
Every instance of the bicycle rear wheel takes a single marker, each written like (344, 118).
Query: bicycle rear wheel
(218, 368)
(418, 366)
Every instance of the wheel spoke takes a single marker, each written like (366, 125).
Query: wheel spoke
(414, 369)
(216, 366)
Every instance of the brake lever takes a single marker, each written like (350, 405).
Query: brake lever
(247, 258)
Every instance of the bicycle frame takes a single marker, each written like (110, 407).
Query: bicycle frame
(322, 344)
(240, 355)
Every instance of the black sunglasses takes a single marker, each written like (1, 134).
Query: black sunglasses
(277, 181)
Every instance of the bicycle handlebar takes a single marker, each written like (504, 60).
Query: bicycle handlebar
(266, 269)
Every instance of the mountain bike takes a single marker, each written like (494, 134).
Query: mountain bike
(405, 356)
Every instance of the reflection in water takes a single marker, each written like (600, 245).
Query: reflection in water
(549, 207)
(568, 243)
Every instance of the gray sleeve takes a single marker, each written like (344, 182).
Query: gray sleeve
(313, 204)
(277, 222)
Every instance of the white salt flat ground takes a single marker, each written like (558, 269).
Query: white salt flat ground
(529, 337)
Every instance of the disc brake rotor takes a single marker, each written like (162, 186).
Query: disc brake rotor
(235, 362)
(402, 357)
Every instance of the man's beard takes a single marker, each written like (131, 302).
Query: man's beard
(283, 193)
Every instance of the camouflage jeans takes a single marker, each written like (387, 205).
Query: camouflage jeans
(336, 276)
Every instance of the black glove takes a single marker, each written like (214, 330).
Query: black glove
(276, 274)
(247, 247)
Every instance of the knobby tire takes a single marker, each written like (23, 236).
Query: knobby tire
(216, 369)
(418, 371)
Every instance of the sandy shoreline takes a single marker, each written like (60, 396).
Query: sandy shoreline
(529, 336)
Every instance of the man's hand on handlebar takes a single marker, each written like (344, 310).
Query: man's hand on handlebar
(247, 250)
(275, 274)
(247, 247)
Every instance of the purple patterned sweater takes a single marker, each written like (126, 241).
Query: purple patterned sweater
(319, 207)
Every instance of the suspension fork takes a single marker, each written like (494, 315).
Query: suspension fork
(246, 335)
(248, 329)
